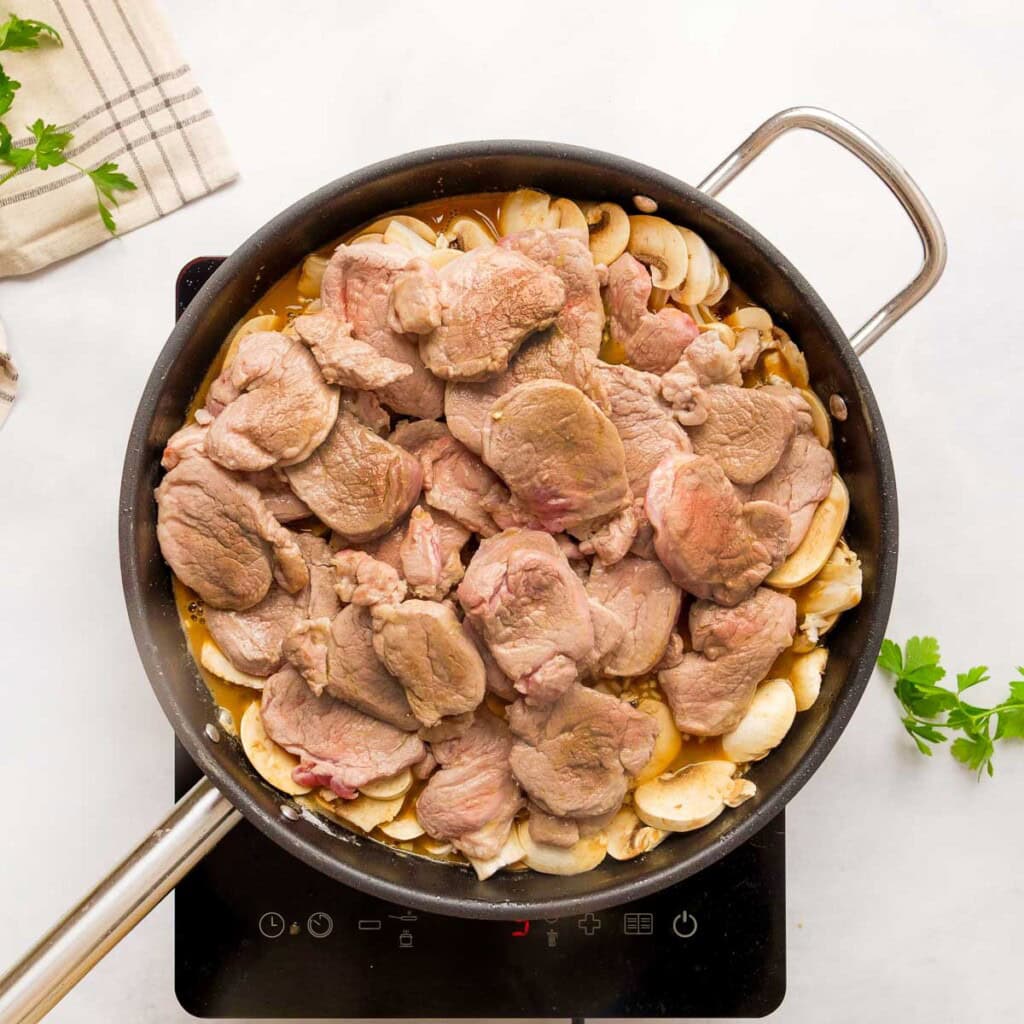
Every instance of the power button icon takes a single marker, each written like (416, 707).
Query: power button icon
(684, 925)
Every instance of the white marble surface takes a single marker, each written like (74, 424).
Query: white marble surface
(904, 882)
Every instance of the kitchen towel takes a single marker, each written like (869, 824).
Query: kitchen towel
(120, 84)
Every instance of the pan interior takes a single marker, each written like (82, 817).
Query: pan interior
(860, 445)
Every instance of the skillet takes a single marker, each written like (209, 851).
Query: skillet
(231, 788)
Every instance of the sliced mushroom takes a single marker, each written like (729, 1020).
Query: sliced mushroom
(658, 245)
(569, 217)
(511, 852)
(750, 316)
(667, 744)
(764, 725)
(212, 658)
(628, 836)
(405, 827)
(312, 276)
(437, 847)
(273, 763)
(608, 227)
(787, 361)
(701, 275)
(375, 237)
(562, 860)
(468, 233)
(721, 285)
(835, 589)
(821, 423)
(825, 530)
(805, 676)
(366, 813)
(413, 224)
(439, 258)
(524, 209)
(264, 322)
(691, 797)
(398, 233)
(389, 788)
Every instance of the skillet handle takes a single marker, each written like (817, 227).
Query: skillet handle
(62, 957)
(902, 186)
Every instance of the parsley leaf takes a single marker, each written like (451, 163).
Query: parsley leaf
(8, 87)
(13, 156)
(107, 180)
(933, 712)
(23, 33)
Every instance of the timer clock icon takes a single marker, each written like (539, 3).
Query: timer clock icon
(320, 925)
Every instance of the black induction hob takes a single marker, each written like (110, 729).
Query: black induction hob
(260, 934)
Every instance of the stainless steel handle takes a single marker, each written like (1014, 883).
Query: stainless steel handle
(902, 186)
(34, 985)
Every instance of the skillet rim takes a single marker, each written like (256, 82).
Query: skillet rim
(138, 460)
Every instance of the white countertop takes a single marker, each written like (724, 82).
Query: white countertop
(904, 885)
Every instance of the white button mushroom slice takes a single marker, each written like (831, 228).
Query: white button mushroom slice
(389, 788)
(659, 246)
(468, 233)
(628, 836)
(439, 258)
(835, 589)
(524, 209)
(805, 676)
(608, 226)
(398, 234)
(817, 546)
(273, 763)
(368, 237)
(413, 224)
(511, 852)
(691, 797)
(750, 316)
(667, 744)
(437, 848)
(721, 285)
(212, 658)
(366, 813)
(405, 827)
(254, 325)
(764, 725)
(821, 422)
(312, 276)
(701, 276)
(562, 860)
(569, 217)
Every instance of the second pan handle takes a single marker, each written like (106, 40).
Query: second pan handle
(896, 179)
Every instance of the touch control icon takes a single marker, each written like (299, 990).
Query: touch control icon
(320, 925)
(271, 925)
(685, 925)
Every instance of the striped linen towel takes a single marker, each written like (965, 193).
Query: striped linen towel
(120, 84)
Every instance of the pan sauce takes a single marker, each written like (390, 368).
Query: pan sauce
(283, 299)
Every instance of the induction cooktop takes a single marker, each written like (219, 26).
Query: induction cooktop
(260, 934)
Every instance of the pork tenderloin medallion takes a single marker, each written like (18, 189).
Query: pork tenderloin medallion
(746, 431)
(423, 645)
(271, 405)
(337, 746)
(713, 685)
(220, 539)
(531, 610)
(476, 311)
(336, 656)
(473, 797)
(356, 288)
(548, 355)
(649, 341)
(641, 593)
(560, 456)
(356, 482)
(253, 639)
(567, 254)
(713, 544)
(574, 757)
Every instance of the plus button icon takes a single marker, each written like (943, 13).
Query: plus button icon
(588, 924)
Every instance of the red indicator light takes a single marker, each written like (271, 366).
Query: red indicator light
(524, 930)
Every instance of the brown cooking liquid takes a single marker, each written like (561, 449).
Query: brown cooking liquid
(283, 299)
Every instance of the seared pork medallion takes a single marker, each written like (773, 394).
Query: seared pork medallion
(504, 533)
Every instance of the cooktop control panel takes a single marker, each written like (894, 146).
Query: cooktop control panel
(260, 934)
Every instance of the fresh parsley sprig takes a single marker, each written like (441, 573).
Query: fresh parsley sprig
(51, 141)
(934, 713)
